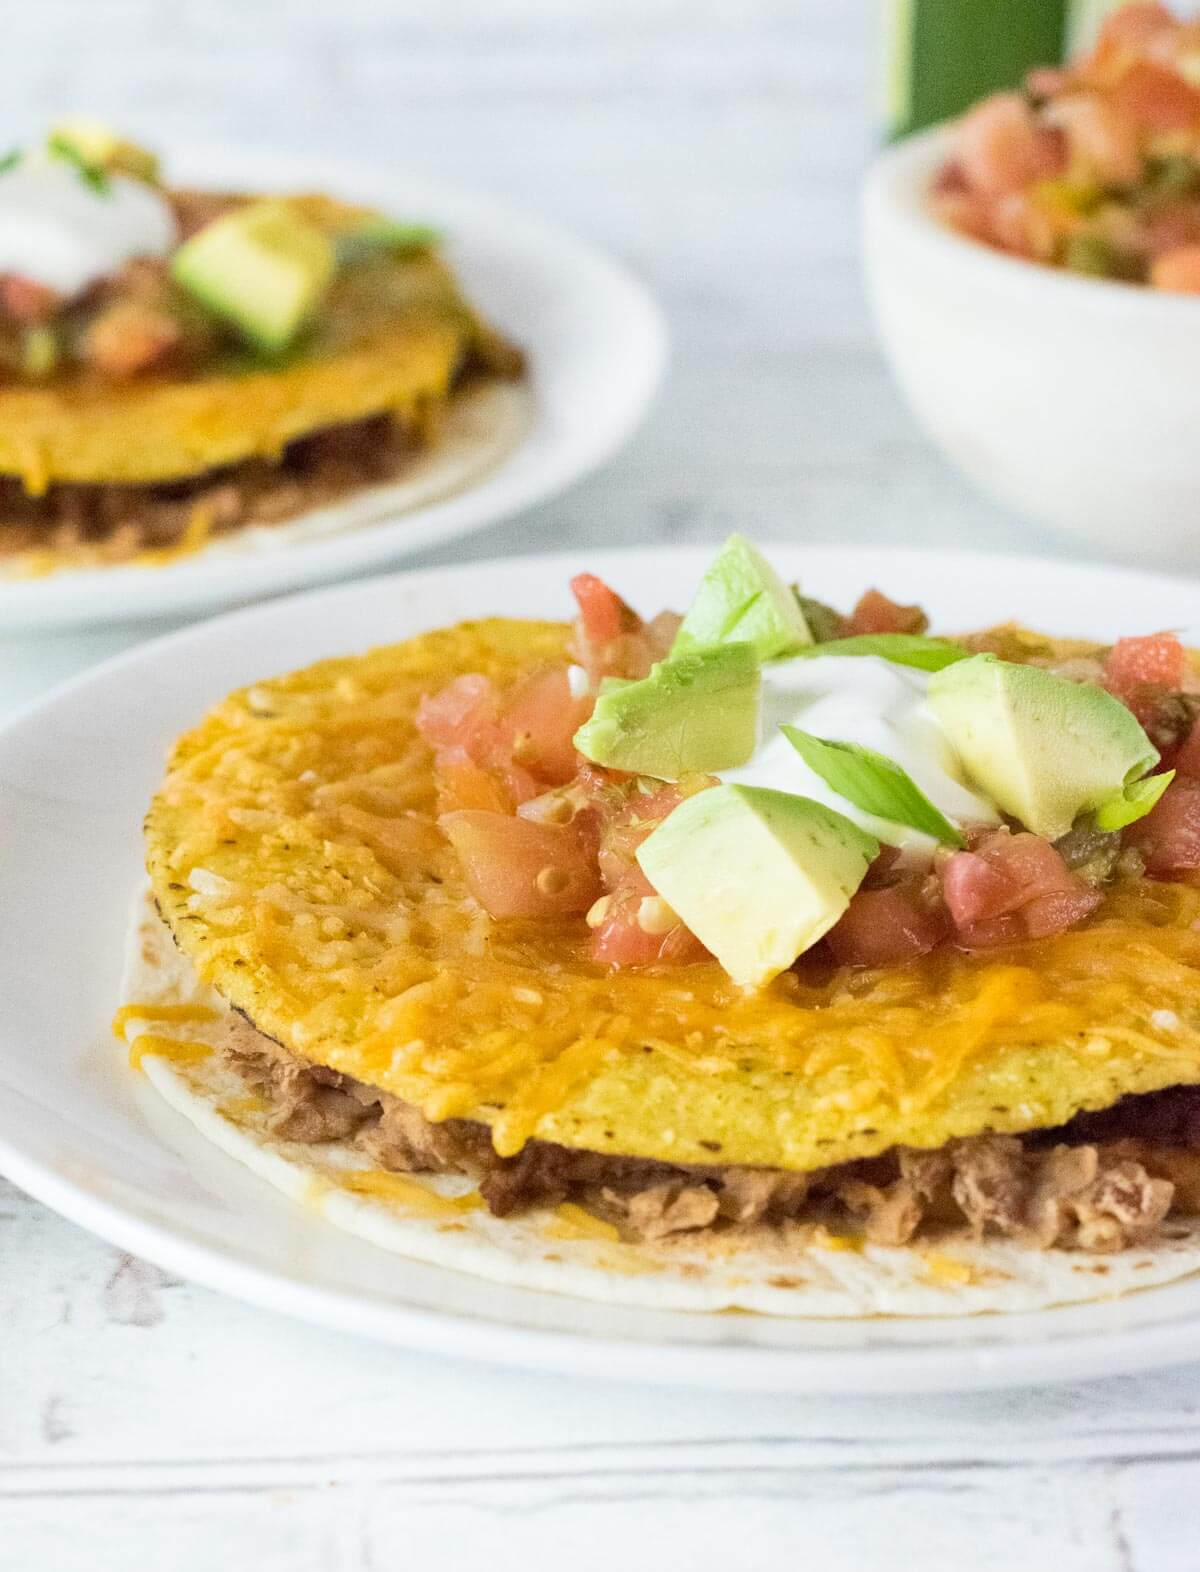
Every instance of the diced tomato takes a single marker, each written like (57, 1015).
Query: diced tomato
(516, 868)
(1000, 147)
(1177, 269)
(459, 714)
(631, 932)
(1144, 673)
(1187, 760)
(965, 211)
(1169, 836)
(1012, 887)
(627, 815)
(1157, 658)
(875, 613)
(974, 890)
(611, 640)
(603, 613)
(1136, 23)
(539, 721)
(129, 338)
(1059, 910)
(627, 819)
(882, 927)
(462, 784)
(27, 301)
(1155, 98)
(522, 740)
(1101, 146)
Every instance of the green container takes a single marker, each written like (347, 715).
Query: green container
(940, 56)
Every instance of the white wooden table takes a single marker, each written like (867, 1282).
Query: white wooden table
(148, 1424)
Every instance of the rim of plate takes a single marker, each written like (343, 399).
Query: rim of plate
(1140, 1331)
(499, 251)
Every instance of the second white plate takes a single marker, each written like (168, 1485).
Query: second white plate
(596, 343)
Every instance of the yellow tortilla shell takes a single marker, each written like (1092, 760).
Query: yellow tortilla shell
(294, 854)
(392, 334)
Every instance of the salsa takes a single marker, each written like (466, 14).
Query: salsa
(543, 833)
(1094, 167)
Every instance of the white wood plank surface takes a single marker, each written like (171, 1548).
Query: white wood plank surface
(146, 1423)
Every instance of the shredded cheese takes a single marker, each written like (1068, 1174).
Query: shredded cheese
(160, 1013)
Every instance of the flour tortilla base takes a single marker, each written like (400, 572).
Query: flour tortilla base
(540, 1249)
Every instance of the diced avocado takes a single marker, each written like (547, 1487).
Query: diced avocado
(262, 268)
(757, 875)
(100, 147)
(694, 713)
(1045, 749)
(743, 600)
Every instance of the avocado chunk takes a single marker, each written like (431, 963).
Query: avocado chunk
(263, 268)
(694, 712)
(742, 599)
(757, 875)
(97, 146)
(1045, 749)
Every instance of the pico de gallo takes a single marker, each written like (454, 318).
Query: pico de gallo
(543, 832)
(1093, 167)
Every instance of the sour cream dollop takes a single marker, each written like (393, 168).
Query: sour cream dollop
(872, 702)
(59, 231)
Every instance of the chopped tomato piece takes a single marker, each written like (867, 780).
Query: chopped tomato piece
(27, 301)
(1133, 25)
(1013, 887)
(1187, 760)
(1000, 149)
(128, 338)
(604, 615)
(461, 714)
(1059, 910)
(629, 928)
(521, 740)
(634, 928)
(539, 722)
(1155, 99)
(875, 613)
(516, 868)
(1146, 674)
(462, 784)
(1157, 658)
(975, 890)
(1169, 836)
(1177, 269)
(611, 640)
(1101, 147)
(627, 819)
(882, 927)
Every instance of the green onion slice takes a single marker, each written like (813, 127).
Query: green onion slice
(1134, 803)
(874, 783)
(903, 649)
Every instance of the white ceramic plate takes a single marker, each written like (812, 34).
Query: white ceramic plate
(596, 343)
(82, 1133)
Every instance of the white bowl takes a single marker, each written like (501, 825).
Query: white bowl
(1075, 401)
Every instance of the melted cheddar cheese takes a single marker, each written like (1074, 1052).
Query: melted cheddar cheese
(294, 852)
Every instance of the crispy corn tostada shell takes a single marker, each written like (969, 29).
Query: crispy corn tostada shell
(393, 334)
(294, 854)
